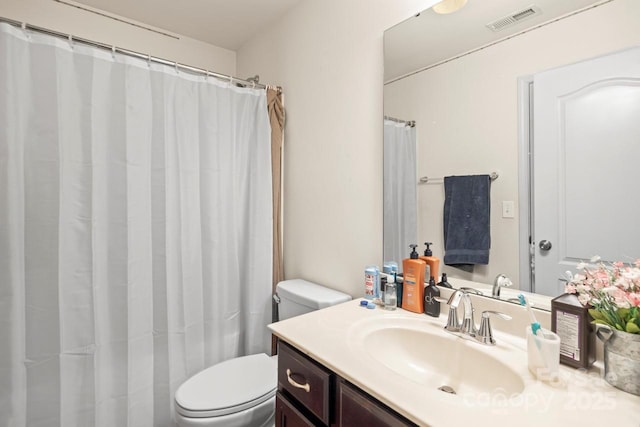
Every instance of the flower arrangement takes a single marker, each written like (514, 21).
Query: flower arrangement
(612, 292)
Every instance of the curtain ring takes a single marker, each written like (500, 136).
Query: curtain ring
(231, 80)
(175, 65)
(206, 75)
(113, 51)
(149, 60)
(253, 84)
(70, 38)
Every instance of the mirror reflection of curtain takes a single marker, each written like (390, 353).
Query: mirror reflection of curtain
(400, 187)
(135, 232)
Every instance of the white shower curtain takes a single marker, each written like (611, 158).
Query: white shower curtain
(400, 199)
(135, 232)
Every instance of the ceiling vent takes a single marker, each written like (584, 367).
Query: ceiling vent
(514, 18)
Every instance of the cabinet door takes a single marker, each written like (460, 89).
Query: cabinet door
(287, 415)
(356, 409)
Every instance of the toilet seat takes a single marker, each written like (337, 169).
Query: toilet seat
(228, 387)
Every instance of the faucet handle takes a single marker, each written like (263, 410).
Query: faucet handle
(485, 335)
(487, 313)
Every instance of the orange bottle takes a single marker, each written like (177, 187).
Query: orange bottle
(432, 261)
(413, 282)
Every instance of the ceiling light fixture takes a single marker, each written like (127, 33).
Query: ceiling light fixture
(448, 6)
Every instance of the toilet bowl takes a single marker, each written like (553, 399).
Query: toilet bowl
(241, 392)
(237, 392)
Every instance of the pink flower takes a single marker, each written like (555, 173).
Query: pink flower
(584, 299)
(631, 274)
(583, 288)
(622, 283)
(608, 288)
(634, 299)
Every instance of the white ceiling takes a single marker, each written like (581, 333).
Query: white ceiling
(430, 38)
(225, 23)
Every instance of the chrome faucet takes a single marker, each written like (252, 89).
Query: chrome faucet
(483, 334)
(468, 326)
(501, 281)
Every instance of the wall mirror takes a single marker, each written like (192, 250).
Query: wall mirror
(464, 79)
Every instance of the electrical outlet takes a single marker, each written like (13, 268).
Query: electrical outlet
(508, 209)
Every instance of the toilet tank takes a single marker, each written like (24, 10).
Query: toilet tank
(299, 296)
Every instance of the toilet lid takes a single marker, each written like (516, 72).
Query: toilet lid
(228, 387)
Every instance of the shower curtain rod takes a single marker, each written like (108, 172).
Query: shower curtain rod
(410, 123)
(146, 57)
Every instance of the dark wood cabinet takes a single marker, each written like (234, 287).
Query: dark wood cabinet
(309, 394)
(287, 415)
(356, 408)
(305, 380)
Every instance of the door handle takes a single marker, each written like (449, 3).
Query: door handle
(544, 245)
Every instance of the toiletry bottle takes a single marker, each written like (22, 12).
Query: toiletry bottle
(572, 322)
(390, 267)
(390, 297)
(399, 288)
(413, 282)
(431, 306)
(443, 282)
(432, 261)
(371, 281)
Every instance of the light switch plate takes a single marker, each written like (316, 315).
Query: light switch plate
(508, 208)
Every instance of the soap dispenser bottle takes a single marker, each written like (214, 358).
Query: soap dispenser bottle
(413, 282)
(431, 305)
(443, 282)
(432, 261)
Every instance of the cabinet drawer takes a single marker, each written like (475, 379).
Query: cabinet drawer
(304, 380)
(287, 415)
(355, 409)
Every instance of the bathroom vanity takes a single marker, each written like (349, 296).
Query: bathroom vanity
(311, 394)
(349, 366)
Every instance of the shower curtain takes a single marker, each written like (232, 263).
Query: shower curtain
(135, 232)
(399, 188)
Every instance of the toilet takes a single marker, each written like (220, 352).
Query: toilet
(241, 392)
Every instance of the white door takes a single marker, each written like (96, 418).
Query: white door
(586, 133)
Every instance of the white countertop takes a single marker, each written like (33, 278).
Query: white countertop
(330, 336)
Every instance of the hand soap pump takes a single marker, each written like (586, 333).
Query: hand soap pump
(443, 282)
(413, 278)
(432, 261)
(431, 305)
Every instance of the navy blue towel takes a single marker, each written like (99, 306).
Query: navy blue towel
(467, 236)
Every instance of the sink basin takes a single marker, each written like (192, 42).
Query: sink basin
(424, 353)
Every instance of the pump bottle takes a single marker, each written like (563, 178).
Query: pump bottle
(432, 261)
(413, 287)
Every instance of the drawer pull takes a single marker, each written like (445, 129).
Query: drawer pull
(306, 387)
